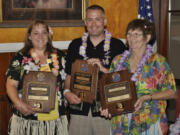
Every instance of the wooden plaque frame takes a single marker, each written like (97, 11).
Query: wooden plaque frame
(117, 92)
(39, 90)
(84, 80)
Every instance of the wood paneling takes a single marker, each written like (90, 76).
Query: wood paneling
(5, 114)
(156, 11)
(119, 13)
(163, 45)
(11, 35)
(5, 108)
(5, 59)
(160, 9)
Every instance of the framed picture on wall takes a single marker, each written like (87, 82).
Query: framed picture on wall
(18, 13)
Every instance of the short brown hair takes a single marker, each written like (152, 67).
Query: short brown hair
(96, 7)
(144, 25)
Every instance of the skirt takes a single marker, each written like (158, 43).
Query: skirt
(21, 126)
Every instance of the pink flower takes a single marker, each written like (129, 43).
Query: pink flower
(26, 60)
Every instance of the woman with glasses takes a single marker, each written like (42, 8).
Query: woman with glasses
(154, 82)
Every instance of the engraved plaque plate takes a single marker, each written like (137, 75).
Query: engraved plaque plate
(39, 90)
(118, 92)
(84, 80)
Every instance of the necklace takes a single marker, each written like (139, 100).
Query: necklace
(148, 53)
(53, 60)
(82, 50)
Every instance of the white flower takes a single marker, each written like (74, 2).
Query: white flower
(31, 67)
(26, 67)
(59, 98)
(59, 95)
(20, 95)
(63, 62)
(63, 74)
(82, 51)
(15, 63)
(34, 55)
(106, 47)
(49, 61)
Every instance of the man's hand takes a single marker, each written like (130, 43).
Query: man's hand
(72, 98)
(94, 61)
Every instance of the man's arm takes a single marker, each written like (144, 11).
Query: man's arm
(71, 97)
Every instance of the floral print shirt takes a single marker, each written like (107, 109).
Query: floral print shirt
(156, 76)
(21, 63)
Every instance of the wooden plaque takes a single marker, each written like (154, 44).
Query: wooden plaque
(117, 92)
(84, 80)
(39, 90)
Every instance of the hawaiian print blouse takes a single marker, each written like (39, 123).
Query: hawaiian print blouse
(21, 63)
(156, 76)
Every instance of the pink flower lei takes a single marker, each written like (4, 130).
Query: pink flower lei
(82, 50)
(148, 53)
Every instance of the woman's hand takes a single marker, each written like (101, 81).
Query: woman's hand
(163, 95)
(105, 113)
(98, 62)
(140, 101)
(11, 87)
(24, 108)
(72, 98)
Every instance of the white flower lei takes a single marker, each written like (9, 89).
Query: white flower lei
(82, 50)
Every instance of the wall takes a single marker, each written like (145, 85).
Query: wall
(119, 13)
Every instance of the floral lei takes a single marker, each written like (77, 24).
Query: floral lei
(82, 50)
(148, 53)
(53, 60)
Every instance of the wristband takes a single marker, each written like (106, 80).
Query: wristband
(65, 91)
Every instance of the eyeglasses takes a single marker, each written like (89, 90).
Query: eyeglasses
(135, 35)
